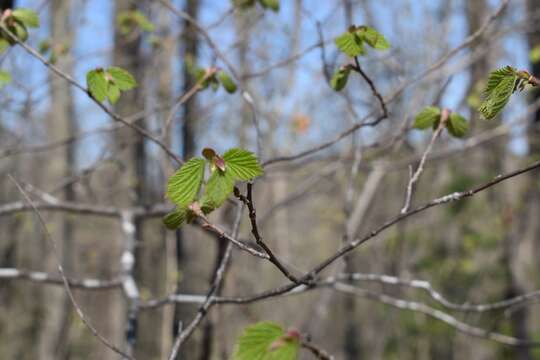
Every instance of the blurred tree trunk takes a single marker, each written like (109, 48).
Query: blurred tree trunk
(129, 145)
(526, 234)
(189, 53)
(56, 337)
(352, 338)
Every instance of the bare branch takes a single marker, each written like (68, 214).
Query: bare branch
(79, 311)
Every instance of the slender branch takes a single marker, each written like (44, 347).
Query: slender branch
(416, 175)
(46, 278)
(248, 201)
(74, 82)
(208, 302)
(435, 295)
(315, 350)
(371, 84)
(436, 314)
(78, 309)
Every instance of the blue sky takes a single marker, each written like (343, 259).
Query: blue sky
(94, 41)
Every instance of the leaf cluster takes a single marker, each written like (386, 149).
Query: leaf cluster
(352, 43)
(501, 84)
(213, 78)
(109, 83)
(267, 341)
(184, 186)
(128, 21)
(17, 23)
(430, 117)
(53, 51)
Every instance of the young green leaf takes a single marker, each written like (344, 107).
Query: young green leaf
(5, 78)
(266, 341)
(185, 184)
(457, 125)
(97, 84)
(270, 4)
(242, 164)
(113, 93)
(350, 43)
(218, 188)
(127, 20)
(374, 38)
(340, 77)
(227, 82)
(19, 30)
(4, 44)
(495, 78)
(176, 218)
(427, 118)
(500, 86)
(123, 79)
(534, 54)
(27, 17)
(144, 23)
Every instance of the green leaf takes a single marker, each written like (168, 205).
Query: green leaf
(97, 84)
(270, 4)
(127, 20)
(218, 188)
(350, 44)
(19, 30)
(113, 93)
(495, 78)
(500, 86)
(457, 125)
(185, 184)
(27, 17)
(340, 77)
(427, 118)
(242, 164)
(4, 44)
(534, 54)
(175, 219)
(123, 79)
(5, 78)
(371, 36)
(266, 341)
(144, 23)
(227, 82)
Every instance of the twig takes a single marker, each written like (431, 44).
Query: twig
(208, 302)
(46, 278)
(74, 82)
(248, 201)
(79, 311)
(315, 350)
(436, 314)
(371, 84)
(416, 175)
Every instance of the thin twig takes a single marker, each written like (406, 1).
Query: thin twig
(208, 302)
(371, 84)
(416, 175)
(78, 309)
(248, 201)
(145, 133)
(315, 350)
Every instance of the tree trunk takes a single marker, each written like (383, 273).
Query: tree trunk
(129, 148)
(55, 341)
(189, 53)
